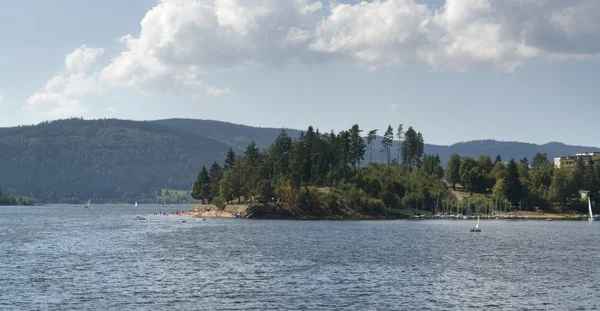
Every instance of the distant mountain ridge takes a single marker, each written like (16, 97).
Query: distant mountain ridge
(506, 149)
(122, 160)
(238, 136)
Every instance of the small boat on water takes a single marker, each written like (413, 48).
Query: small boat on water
(476, 229)
(591, 217)
(549, 219)
(181, 220)
(88, 203)
(139, 218)
(135, 204)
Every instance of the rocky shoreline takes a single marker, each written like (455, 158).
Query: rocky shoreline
(280, 212)
(259, 211)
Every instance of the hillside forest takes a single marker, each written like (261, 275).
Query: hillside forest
(124, 161)
(7, 198)
(332, 171)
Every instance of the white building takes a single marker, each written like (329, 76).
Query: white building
(569, 160)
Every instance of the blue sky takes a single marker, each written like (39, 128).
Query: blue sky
(455, 70)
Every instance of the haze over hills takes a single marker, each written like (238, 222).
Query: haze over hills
(506, 149)
(238, 136)
(114, 160)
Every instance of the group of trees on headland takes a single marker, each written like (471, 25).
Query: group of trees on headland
(327, 170)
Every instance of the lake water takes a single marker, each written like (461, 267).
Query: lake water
(72, 258)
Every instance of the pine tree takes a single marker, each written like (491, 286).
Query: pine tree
(282, 148)
(252, 152)
(229, 159)
(201, 189)
(371, 138)
(387, 141)
(419, 150)
(230, 185)
(307, 161)
(413, 148)
(579, 171)
(357, 146)
(498, 159)
(343, 148)
(400, 136)
(514, 189)
(524, 168)
(215, 175)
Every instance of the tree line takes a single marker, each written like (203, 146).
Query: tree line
(327, 170)
(7, 198)
(536, 184)
(302, 172)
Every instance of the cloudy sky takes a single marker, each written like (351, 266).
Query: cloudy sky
(456, 70)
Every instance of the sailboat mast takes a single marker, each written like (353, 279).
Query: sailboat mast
(590, 208)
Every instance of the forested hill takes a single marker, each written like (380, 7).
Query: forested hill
(73, 160)
(123, 161)
(507, 150)
(236, 135)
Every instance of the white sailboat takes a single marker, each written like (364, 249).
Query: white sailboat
(591, 217)
(88, 203)
(476, 229)
(138, 217)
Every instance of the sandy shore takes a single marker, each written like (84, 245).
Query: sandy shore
(211, 211)
(219, 214)
(188, 213)
(215, 214)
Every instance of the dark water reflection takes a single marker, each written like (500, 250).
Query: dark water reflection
(71, 258)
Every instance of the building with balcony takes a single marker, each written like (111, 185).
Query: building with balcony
(569, 160)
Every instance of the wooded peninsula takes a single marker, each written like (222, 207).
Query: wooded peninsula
(322, 176)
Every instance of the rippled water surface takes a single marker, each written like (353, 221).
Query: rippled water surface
(71, 258)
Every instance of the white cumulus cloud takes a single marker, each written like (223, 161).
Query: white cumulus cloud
(80, 60)
(462, 34)
(504, 33)
(296, 36)
(181, 43)
(374, 33)
(61, 95)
